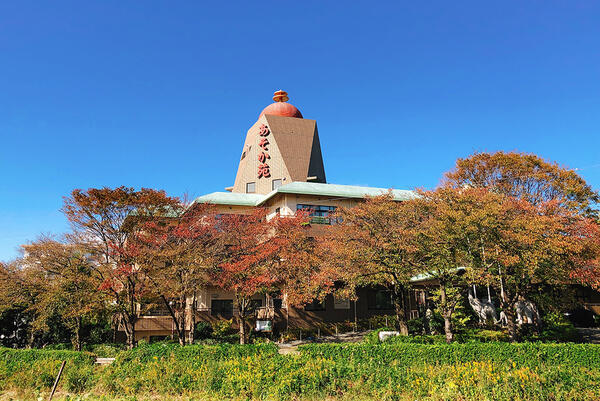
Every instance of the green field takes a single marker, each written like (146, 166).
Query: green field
(397, 371)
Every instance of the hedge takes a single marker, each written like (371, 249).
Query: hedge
(525, 354)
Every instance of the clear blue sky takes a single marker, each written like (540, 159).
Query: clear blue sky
(160, 94)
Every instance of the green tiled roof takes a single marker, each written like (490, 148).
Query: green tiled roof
(342, 191)
(303, 188)
(430, 276)
(231, 198)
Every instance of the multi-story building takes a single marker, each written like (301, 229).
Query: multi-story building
(281, 169)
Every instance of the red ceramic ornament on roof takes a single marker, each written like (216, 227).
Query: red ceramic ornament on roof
(280, 107)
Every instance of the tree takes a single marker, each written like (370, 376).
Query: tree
(254, 256)
(443, 236)
(179, 254)
(587, 263)
(68, 277)
(527, 177)
(534, 235)
(17, 296)
(375, 244)
(104, 220)
(301, 275)
(525, 247)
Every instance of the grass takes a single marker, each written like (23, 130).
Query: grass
(386, 372)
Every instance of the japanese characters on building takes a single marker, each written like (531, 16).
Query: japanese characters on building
(263, 156)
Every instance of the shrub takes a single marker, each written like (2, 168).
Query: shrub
(526, 354)
(37, 368)
(558, 328)
(104, 350)
(222, 328)
(203, 330)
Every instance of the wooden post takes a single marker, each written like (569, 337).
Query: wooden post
(318, 332)
(62, 366)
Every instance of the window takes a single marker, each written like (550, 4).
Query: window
(380, 299)
(250, 187)
(319, 214)
(341, 303)
(255, 304)
(222, 308)
(315, 305)
(276, 184)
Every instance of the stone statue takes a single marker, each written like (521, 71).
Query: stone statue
(483, 308)
(527, 313)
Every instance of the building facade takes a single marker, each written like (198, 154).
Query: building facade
(281, 169)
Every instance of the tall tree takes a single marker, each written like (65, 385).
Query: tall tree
(19, 293)
(68, 277)
(105, 219)
(444, 235)
(524, 247)
(533, 236)
(527, 177)
(180, 253)
(256, 258)
(301, 275)
(375, 244)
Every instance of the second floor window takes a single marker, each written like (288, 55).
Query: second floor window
(250, 187)
(319, 214)
(276, 184)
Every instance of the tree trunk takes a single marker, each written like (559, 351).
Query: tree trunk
(242, 323)
(129, 326)
(448, 327)
(192, 321)
(77, 334)
(242, 307)
(400, 310)
(31, 339)
(180, 333)
(511, 325)
(447, 313)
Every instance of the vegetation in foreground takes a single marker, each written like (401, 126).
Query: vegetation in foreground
(389, 371)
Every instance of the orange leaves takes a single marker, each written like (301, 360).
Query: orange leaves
(524, 176)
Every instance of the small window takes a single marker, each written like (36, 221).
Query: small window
(250, 187)
(276, 184)
(380, 300)
(278, 210)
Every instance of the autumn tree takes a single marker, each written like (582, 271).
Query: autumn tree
(104, 219)
(19, 293)
(179, 254)
(527, 177)
(444, 237)
(256, 258)
(67, 277)
(375, 244)
(301, 275)
(535, 235)
(587, 263)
